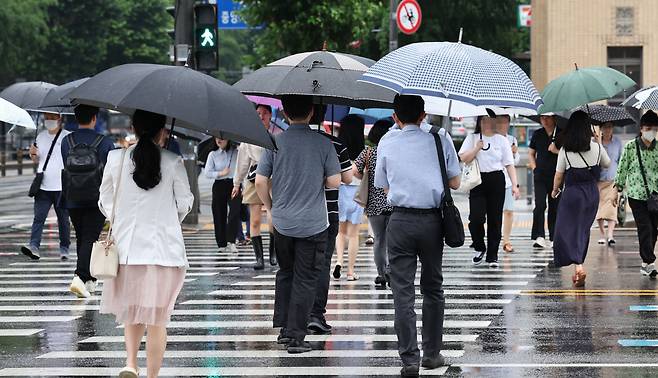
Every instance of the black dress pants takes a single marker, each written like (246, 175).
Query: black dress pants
(543, 189)
(411, 237)
(300, 264)
(647, 229)
(486, 204)
(225, 212)
(322, 292)
(88, 223)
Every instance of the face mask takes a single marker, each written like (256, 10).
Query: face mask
(649, 136)
(51, 124)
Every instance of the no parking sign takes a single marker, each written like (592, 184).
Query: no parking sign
(408, 16)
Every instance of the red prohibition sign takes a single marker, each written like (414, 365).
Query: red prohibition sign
(408, 16)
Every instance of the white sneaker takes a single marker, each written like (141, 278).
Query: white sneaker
(91, 287)
(78, 288)
(649, 270)
(231, 248)
(540, 243)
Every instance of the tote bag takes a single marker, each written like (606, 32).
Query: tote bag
(470, 176)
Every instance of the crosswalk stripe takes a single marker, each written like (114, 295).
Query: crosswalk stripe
(47, 298)
(450, 338)
(370, 292)
(334, 323)
(386, 353)
(361, 283)
(330, 311)
(19, 332)
(445, 274)
(482, 301)
(37, 319)
(219, 371)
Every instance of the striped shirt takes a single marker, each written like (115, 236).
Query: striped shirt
(345, 165)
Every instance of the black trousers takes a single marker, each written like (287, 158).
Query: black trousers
(300, 264)
(88, 223)
(486, 204)
(225, 212)
(647, 229)
(322, 291)
(543, 189)
(411, 237)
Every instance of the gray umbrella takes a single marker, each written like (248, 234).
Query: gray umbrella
(645, 98)
(194, 100)
(601, 114)
(57, 98)
(331, 78)
(28, 95)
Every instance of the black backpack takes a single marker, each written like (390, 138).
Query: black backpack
(83, 172)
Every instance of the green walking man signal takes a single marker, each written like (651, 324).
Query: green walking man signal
(208, 38)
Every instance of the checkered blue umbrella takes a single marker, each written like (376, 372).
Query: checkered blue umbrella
(645, 98)
(601, 114)
(455, 78)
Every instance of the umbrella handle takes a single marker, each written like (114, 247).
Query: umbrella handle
(488, 144)
(171, 133)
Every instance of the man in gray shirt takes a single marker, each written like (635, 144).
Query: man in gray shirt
(298, 172)
(408, 170)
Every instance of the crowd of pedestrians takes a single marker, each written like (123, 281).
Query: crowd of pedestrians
(307, 189)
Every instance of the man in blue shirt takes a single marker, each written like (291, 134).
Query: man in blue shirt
(408, 170)
(298, 172)
(87, 219)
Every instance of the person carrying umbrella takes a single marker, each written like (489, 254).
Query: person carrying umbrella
(607, 192)
(502, 128)
(47, 153)
(637, 174)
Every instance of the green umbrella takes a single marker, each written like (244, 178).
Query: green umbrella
(583, 86)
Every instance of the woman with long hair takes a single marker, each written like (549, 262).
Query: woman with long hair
(607, 191)
(152, 198)
(637, 175)
(494, 155)
(579, 168)
(220, 166)
(350, 214)
(377, 208)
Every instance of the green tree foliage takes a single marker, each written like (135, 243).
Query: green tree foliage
(304, 25)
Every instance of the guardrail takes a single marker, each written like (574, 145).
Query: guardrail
(21, 163)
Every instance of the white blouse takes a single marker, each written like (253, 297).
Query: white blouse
(591, 157)
(496, 158)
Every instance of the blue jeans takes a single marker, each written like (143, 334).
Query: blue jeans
(42, 203)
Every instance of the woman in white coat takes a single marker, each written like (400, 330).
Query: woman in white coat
(152, 199)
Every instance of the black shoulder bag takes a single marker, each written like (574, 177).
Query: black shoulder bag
(453, 228)
(38, 179)
(652, 198)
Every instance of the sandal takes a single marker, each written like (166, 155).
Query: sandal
(601, 241)
(580, 279)
(508, 247)
(128, 372)
(352, 277)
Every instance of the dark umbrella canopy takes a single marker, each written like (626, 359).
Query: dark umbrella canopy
(331, 78)
(601, 114)
(57, 97)
(28, 95)
(196, 101)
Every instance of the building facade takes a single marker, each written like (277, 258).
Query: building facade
(622, 34)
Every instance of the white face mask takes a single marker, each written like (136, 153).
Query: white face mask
(51, 124)
(649, 135)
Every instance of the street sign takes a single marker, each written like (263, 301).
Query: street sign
(408, 16)
(228, 15)
(525, 16)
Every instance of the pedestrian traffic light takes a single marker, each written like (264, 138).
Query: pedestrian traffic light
(205, 37)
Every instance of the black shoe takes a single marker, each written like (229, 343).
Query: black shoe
(283, 339)
(337, 272)
(31, 253)
(319, 326)
(433, 362)
(296, 347)
(257, 243)
(272, 251)
(409, 371)
(381, 282)
(387, 277)
(478, 256)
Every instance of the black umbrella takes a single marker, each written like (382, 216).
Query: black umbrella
(331, 78)
(600, 114)
(193, 100)
(28, 95)
(57, 98)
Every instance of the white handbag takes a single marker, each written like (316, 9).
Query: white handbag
(470, 176)
(104, 263)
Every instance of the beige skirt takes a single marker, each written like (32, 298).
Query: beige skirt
(249, 195)
(607, 197)
(142, 294)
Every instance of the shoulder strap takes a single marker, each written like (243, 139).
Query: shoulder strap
(116, 194)
(97, 141)
(50, 151)
(584, 161)
(447, 196)
(639, 160)
(71, 141)
(566, 156)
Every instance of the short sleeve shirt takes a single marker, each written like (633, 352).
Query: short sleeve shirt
(52, 177)
(298, 170)
(546, 160)
(496, 157)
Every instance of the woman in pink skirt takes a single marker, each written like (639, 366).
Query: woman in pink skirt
(152, 199)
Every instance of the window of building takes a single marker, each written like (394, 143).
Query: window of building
(624, 21)
(628, 60)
